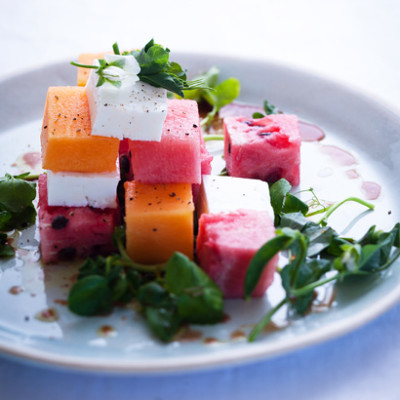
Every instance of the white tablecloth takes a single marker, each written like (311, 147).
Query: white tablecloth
(355, 42)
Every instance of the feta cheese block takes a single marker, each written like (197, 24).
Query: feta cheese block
(159, 221)
(177, 157)
(66, 138)
(227, 242)
(134, 110)
(267, 148)
(225, 193)
(73, 189)
(67, 233)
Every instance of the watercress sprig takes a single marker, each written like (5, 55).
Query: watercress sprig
(268, 108)
(216, 95)
(314, 250)
(170, 295)
(16, 202)
(155, 69)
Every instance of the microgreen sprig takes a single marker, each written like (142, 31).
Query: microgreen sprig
(155, 69)
(314, 250)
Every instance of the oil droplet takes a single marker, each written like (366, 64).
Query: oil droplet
(338, 155)
(211, 340)
(16, 289)
(274, 326)
(62, 302)
(310, 132)
(32, 159)
(188, 335)
(47, 315)
(226, 317)
(325, 302)
(238, 334)
(352, 174)
(371, 189)
(107, 331)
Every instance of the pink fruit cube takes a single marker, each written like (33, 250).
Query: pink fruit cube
(67, 233)
(177, 157)
(226, 244)
(267, 148)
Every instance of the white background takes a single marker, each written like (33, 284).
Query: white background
(355, 42)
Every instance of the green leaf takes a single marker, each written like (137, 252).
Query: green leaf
(153, 58)
(90, 296)
(269, 108)
(319, 237)
(153, 294)
(294, 204)
(278, 192)
(210, 79)
(160, 310)
(5, 249)
(16, 203)
(199, 298)
(259, 261)
(164, 323)
(164, 80)
(258, 115)
(224, 93)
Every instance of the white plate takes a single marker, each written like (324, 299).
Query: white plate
(351, 122)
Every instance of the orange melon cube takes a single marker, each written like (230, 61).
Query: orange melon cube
(159, 221)
(86, 58)
(67, 142)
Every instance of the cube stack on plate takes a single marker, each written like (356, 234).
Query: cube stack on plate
(89, 132)
(84, 131)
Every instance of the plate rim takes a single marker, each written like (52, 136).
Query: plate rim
(252, 352)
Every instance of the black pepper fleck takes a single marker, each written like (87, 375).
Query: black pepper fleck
(59, 222)
(173, 194)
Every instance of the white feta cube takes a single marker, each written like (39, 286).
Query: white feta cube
(73, 189)
(135, 110)
(224, 193)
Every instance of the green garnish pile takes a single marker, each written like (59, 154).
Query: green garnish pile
(155, 69)
(217, 95)
(317, 254)
(169, 295)
(16, 208)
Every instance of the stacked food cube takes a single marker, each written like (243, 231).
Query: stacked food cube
(77, 197)
(83, 130)
(235, 221)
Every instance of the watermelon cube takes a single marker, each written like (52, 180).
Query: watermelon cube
(177, 157)
(267, 148)
(67, 233)
(226, 244)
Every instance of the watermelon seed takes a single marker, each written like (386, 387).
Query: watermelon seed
(59, 222)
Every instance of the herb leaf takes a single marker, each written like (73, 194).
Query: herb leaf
(90, 296)
(183, 294)
(16, 207)
(5, 249)
(199, 299)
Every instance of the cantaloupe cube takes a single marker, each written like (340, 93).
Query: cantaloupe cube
(86, 58)
(67, 142)
(159, 221)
